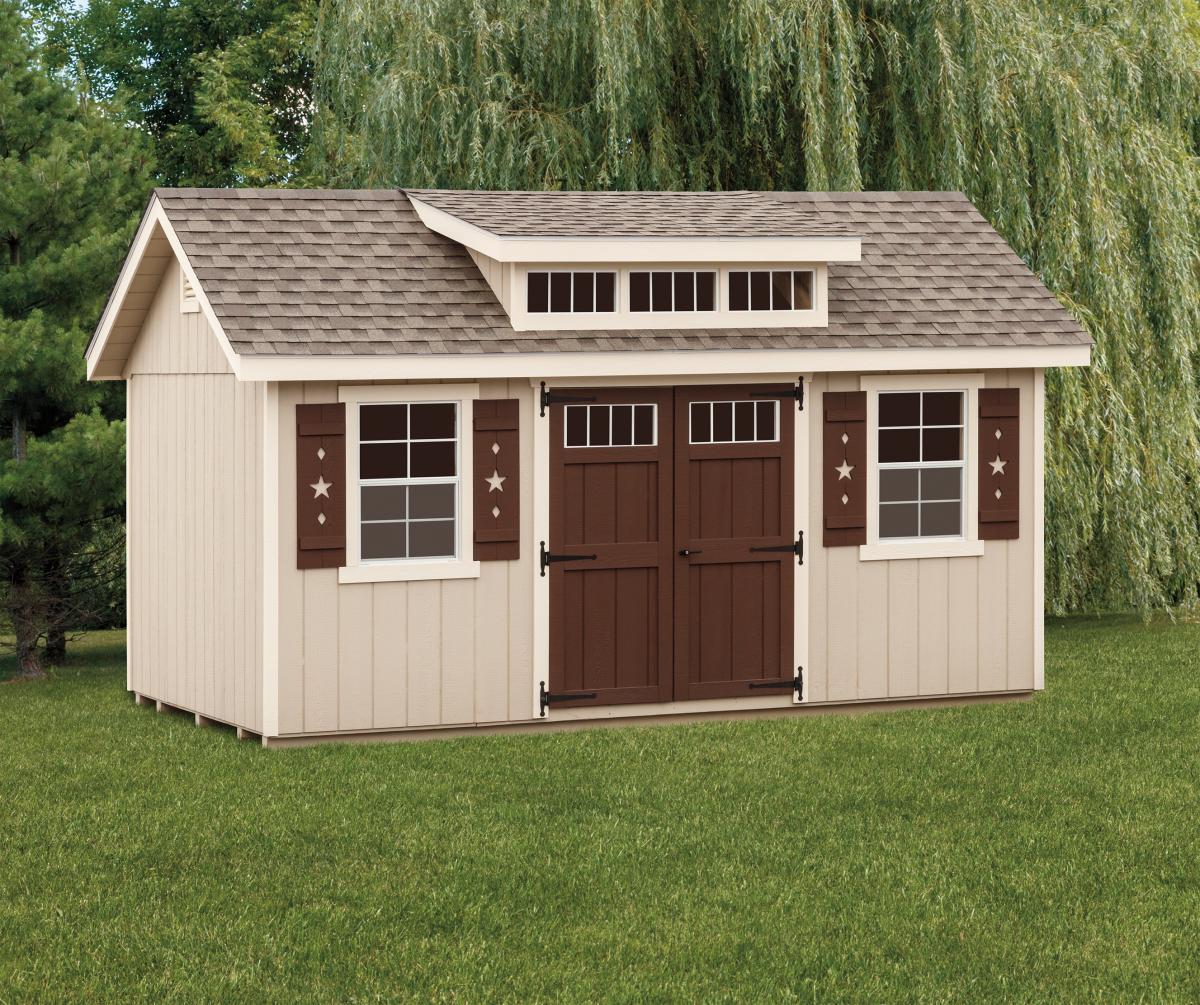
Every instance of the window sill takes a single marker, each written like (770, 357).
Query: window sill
(882, 552)
(404, 572)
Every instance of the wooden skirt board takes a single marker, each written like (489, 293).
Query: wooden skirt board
(671, 572)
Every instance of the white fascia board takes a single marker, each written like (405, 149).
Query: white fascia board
(548, 250)
(155, 217)
(716, 362)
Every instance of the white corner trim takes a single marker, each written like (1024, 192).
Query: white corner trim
(637, 249)
(1039, 529)
(681, 363)
(800, 502)
(357, 571)
(271, 626)
(541, 532)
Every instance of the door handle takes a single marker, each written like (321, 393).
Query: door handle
(685, 552)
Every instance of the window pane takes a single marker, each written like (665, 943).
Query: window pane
(538, 292)
(383, 502)
(943, 408)
(743, 421)
(639, 291)
(434, 539)
(560, 292)
(577, 425)
(434, 421)
(781, 289)
(898, 520)
(900, 409)
(643, 425)
(804, 291)
(685, 291)
(598, 418)
(382, 422)
(383, 460)
(941, 519)
(942, 444)
(432, 460)
(383, 540)
(606, 283)
(739, 293)
(899, 446)
(425, 501)
(661, 290)
(706, 285)
(722, 421)
(584, 291)
(701, 422)
(764, 431)
(898, 485)
(622, 425)
(760, 291)
(941, 483)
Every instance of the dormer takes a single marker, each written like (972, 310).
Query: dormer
(645, 260)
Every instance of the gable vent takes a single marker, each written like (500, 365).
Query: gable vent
(188, 303)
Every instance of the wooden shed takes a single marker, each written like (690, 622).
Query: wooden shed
(412, 462)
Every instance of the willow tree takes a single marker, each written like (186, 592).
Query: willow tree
(1072, 126)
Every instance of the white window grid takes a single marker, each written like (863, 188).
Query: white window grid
(734, 425)
(694, 273)
(587, 424)
(812, 284)
(573, 273)
(924, 465)
(454, 480)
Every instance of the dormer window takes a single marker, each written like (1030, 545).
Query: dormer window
(571, 292)
(763, 290)
(672, 291)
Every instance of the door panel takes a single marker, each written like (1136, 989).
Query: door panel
(610, 618)
(733, 625)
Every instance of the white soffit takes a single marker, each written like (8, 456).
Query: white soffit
(637, 249)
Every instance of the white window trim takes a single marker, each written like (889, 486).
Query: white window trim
(409, 570)
(967, 545)
(572, 313)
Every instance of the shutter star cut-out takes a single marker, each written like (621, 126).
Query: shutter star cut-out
(844, 470)
(321, 487)
(496, 482)
(997, 465)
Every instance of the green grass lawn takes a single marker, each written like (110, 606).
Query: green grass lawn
(1044, 851)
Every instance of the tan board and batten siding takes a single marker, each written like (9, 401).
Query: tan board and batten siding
(194, 518)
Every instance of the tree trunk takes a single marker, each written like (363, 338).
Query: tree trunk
(22, 608)
(56, 646)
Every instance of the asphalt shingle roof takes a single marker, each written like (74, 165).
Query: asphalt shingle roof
(347, 272)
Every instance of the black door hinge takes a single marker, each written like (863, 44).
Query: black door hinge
(796, 684)
(796, 392)
(546, 699)
(545, 558)
(796, 549)
(549, 398)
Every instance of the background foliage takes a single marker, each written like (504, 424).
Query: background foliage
(1072, 125)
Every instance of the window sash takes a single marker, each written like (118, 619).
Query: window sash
(572, 287)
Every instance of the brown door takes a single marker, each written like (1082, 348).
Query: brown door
(611, 509)
(734, 541)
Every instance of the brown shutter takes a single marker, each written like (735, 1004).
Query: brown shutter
(497, 488)
(999, 463)
(844, 489)
(320, 486)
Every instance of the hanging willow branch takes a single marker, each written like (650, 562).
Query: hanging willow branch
(1072, 126)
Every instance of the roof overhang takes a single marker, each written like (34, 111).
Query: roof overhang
(153, 246)
(718, 363)
(637, 249)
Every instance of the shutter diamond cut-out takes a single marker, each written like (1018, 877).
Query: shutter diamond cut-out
(845, 498)
(998, 493)
(845, 439)
(998, 434)
(321, 519)
(496, 512)
(320, 453)
(495, 448)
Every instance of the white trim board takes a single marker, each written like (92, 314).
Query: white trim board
(637, 249)
(716, 363)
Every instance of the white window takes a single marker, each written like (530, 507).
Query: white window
(672, 291)
(409, 506)
(734, 422)
(562, 292)
(611, 426)
(920, 496)
(771, 290)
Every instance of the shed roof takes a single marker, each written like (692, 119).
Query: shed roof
(356, 272)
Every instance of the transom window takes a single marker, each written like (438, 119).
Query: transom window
(611, 426)
(672, 291)
(734, 422)
(408, 474)
(921, 464)
(571, 292)
(771, 290)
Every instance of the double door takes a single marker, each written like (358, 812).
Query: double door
(672, 548)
